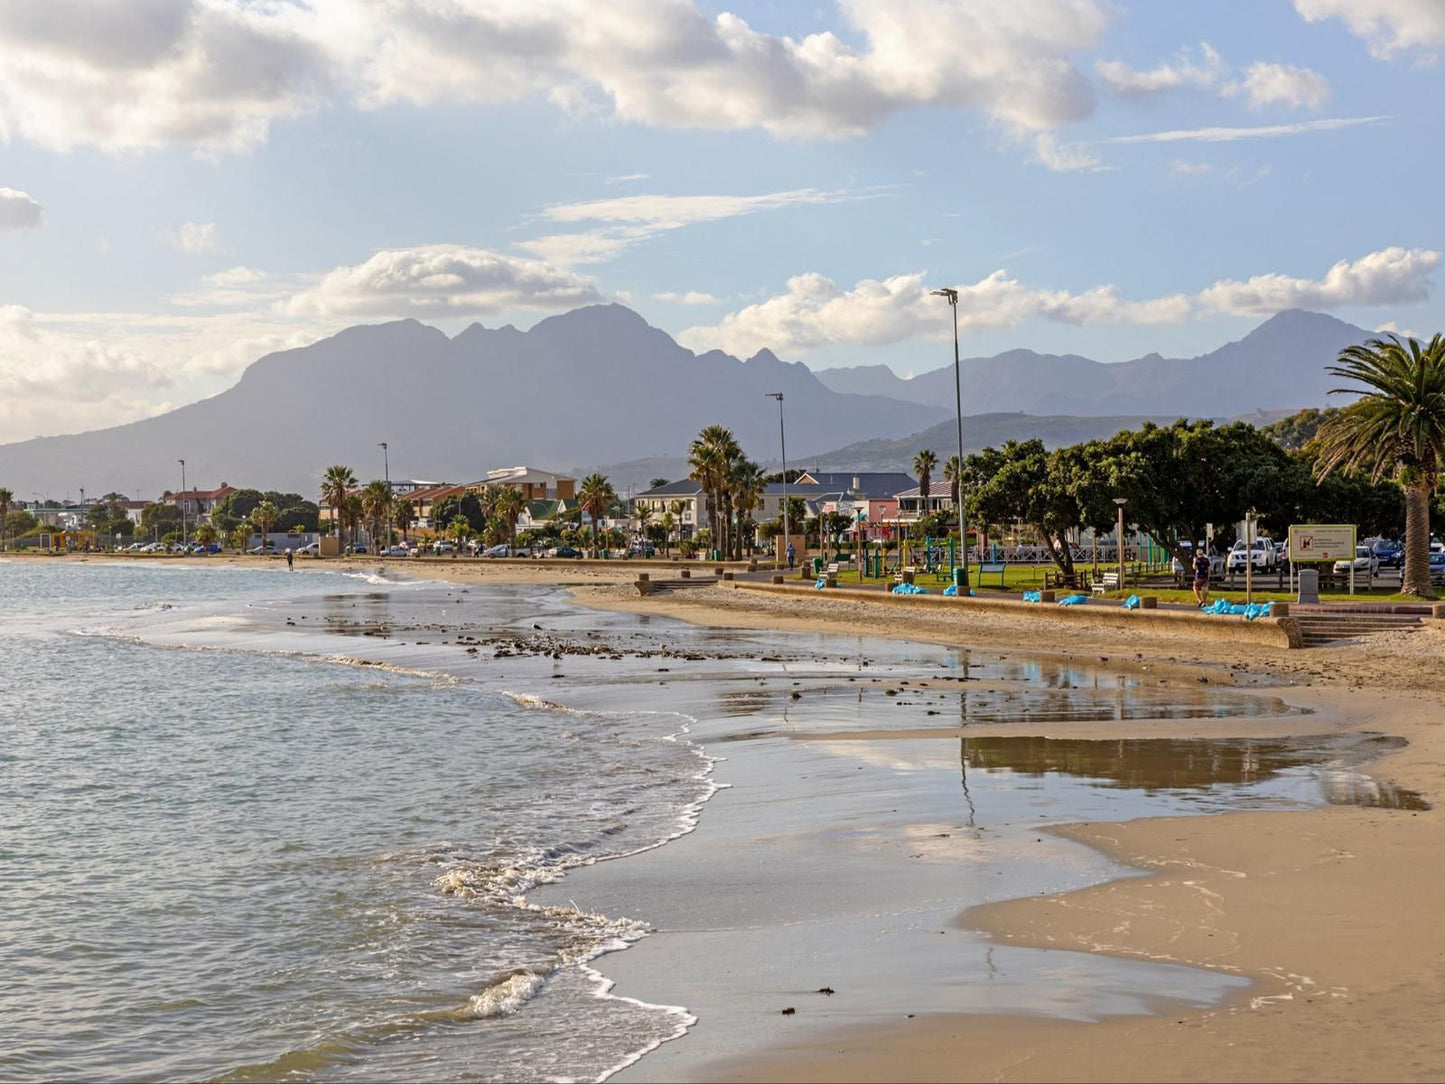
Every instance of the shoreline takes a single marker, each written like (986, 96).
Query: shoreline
(1330, 912)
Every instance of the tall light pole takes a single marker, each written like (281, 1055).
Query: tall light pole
(386, 468)
(182, 462)
(952, 297)
(783, 441)
(1121, 502)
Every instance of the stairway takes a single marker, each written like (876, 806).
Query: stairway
(1320, 627)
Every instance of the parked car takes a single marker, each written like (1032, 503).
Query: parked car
(396, 551)
(639, 550)
(1365, 562)
(1389, 554)
(1437, 566)
(1216, 562)
(1264, 557)
(311, 549)
(440, 548)
(266, 548)
(563, 551)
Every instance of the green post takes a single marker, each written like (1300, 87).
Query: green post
(958, 580)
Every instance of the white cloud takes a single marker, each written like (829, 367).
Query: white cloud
(1232, 135)
(1389, 327)
(441, 280)
(214, 74)
(817, 312)
(1387, 26)
(1266, 84)
(1181, 168)
(691, 297)
(627, 178)
(1065, 158)
(18, 211)
(52, 383)
(631, 220)
(193, 237)
(1392, 276)
(1183, 71)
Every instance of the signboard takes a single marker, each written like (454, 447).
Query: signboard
(1321, 542)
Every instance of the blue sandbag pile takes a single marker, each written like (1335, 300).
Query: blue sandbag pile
(1239, 609)
(822, 583)
(1033, 596)
(1073, 600)
(1133, 602)
(909, 589)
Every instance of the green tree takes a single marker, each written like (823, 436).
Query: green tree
(1021, 482)
(953, 477)
(1396, 427)
(19, 523)
(1294, 433)
(654, 483)
(263, 518)
(353, 512)
(747, 482)
(457, 530)
(509, 506)
(336, 485)
(7, 498)
(596, 496)
(158, 519)
(206, 534)
(924, 464)
(376, 506)
(466, 505)
(403, 516)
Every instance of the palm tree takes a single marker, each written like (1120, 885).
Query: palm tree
(596, 497)
(712, 457)
(353, 511)
(676, 510)
(403, 515)
(642, 513)
(206, 534)
(509, 506)
(336, 483)
(748, 481)
(923, 466)
(667, 525)
(1397, 426)
(263, 516)
(376, 506)
(7, 497)
(953, 478)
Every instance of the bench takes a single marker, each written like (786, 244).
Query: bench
(992, 570)
(905, 575)
(1108, 581)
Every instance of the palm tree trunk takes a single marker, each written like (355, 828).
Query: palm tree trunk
(1417, 541)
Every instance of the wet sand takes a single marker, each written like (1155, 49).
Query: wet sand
(1332, 914)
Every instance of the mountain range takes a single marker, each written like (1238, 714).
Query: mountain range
(599, 385)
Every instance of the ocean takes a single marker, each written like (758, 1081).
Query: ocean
(259, 825)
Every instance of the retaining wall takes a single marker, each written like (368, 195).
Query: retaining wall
(1271, 631)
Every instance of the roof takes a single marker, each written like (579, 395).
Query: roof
(522, 475)
(199, 494)
(877, 485)
(433, 493)
(935, 493)
(686, 487)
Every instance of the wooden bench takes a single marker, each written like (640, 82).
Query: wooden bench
(998, 570)
(906, 575)
(1108, 581)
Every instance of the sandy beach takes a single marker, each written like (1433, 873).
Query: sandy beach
(1331, 914)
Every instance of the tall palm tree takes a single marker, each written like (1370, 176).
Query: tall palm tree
(262, 517)
(7, 497)
(748, 481)
(642, 513)
(924, 464)
(953, 478)
(1397, 426)
(711, 457)
(677, 509)
(596, 497)
(336, 484)
(354, 513)
(667, 525)
(403, 515)
(376, 506)
(509, 506)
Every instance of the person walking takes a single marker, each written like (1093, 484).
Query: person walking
(791, 554)
(1201, 578)
(290, 560)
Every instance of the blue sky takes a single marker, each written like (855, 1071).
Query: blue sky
(187, 184)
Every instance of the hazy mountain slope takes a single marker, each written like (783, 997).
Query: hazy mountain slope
(1279, 365)
(595, 384)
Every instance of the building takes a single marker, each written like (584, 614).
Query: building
(197, 504)
(870, 498)
(684, 499)
(911, 503)
(536, 485)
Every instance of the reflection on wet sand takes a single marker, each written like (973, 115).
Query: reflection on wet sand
(1155, 764)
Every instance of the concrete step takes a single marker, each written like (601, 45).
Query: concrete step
(1318, 629)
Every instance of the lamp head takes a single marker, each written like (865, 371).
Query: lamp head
(1121, 501)
(948, 292)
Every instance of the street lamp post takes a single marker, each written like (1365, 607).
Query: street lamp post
(783, 442)
(1249, 557)
(183, 501)
(386, 469)
(952, 297)
(1121, 502)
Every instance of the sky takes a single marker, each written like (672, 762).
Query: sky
(186, 185)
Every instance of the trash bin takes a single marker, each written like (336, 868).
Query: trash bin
(1309, 585)
(958, 580)
(817, 566)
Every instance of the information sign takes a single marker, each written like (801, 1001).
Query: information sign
(1321, 542)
